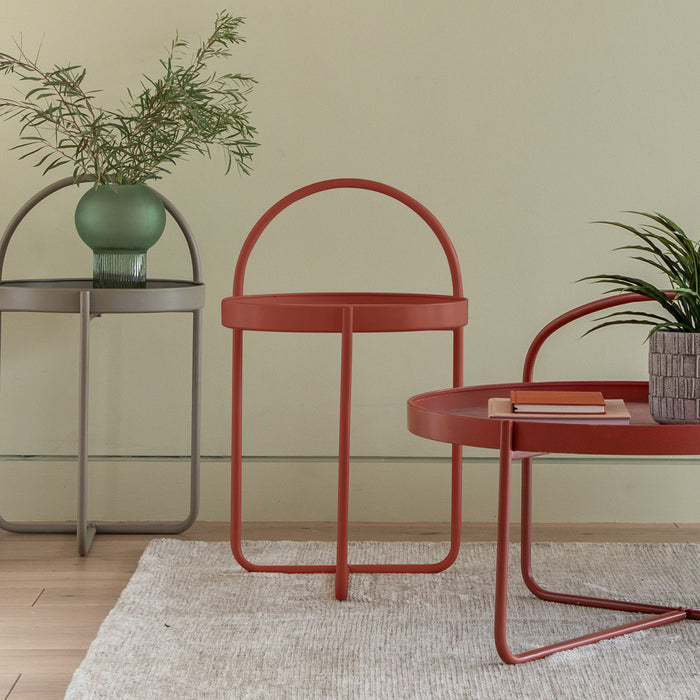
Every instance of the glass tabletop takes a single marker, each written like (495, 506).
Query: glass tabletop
(63, 296)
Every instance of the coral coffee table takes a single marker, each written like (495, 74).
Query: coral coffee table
(459, 416)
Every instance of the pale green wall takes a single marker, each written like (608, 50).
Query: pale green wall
(516, 123)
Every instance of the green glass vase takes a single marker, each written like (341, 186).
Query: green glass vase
(120, 223)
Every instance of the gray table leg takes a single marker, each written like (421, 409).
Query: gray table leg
(21, 527)
(169, 528)
(196, 419)
(85, 532)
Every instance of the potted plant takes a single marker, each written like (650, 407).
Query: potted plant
(674, 334)
(187, 109)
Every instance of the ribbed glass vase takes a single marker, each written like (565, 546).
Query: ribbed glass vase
(118, 268)
(120, 223)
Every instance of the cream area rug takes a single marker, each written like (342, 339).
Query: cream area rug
(191, 624)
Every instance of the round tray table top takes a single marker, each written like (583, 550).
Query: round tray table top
(63, 296)
(323, 312)
(459, 416)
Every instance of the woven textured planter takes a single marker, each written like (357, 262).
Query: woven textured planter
(674, 377)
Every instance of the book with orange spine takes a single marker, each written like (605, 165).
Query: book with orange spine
(541, 401)
(616, 413)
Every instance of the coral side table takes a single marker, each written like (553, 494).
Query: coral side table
(459, 416)
(346, 314)
(78, 296)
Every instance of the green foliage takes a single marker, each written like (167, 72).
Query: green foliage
(185, 110)
(665, 247)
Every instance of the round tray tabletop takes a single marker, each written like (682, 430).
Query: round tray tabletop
(459, 416)
(63, 296)
(323, 312)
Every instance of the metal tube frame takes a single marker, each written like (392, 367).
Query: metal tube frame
(658, 614)
(342, 567)
(85, 531)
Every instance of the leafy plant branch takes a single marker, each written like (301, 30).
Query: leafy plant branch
(665, 247)
(184, 110)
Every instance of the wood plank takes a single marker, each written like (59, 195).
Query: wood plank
(83, 593)
(57, 548)
(46, 686)
(51, 627)
(7, 683)
(477, 532)
(14, 662)
(20, 595)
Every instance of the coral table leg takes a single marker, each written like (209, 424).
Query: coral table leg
(663, 615)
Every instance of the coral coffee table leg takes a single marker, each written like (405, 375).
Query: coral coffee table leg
(663, 615)
(505, 465)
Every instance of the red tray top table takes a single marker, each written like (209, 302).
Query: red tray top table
(344, 313)
(459, 416)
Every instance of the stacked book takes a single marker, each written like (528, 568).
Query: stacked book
(559, 407)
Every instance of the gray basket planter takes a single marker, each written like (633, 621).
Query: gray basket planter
(674, 377)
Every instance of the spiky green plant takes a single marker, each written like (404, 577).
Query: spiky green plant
(185, 110)
(665, 247)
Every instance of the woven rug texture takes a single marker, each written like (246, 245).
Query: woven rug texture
(191, 624)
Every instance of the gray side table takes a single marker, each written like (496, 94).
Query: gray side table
(78, 296)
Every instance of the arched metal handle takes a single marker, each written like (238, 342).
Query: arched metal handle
(351, 183)
(572, 315)
(68, 181)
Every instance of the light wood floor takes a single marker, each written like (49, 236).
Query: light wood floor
(52, 601)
